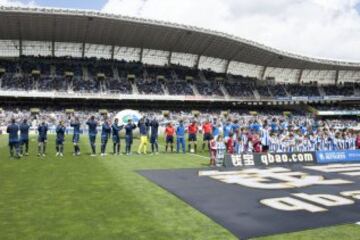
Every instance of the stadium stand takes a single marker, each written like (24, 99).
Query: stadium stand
(57, 65)
(94, 75)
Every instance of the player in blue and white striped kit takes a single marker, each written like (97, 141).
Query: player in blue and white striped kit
(92, 124)
(227, 129)
(307, 144)
(321, 143)
(76, 135)
(313, 142)
(274, 146)
(242, 142)
(216, 129)
(265, 137)
(13, 131)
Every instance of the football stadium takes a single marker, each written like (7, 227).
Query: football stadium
(115, 127)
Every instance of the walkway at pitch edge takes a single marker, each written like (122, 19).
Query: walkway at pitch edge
(220, 201)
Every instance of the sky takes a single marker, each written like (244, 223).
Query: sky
(315, 28)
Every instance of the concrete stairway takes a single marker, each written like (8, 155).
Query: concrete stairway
(225, 92)
(195, 90)
(321, 91)
(135, 90)
(256, 94)
(85, 73)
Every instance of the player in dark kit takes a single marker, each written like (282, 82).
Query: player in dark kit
(76, 136)
(154, 129)
(143, 126)
(24, 137)
(60, 138)
(105, 135)
(42, 138)
(116, 136)
(129, 128)
(13, 131)
(92, 124)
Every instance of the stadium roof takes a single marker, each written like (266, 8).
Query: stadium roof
(60, 25)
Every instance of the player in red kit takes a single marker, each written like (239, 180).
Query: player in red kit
(169, 137)
(207, 133)
(192, 131)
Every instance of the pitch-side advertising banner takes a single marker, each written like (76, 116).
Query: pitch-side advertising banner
(269, 159)
(304, 158)
(345, 156)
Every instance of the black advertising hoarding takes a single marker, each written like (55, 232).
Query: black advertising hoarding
(269, 159)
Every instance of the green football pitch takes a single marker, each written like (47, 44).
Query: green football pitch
(104, 198)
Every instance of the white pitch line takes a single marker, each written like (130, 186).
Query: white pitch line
(197, 155)
(358, 223)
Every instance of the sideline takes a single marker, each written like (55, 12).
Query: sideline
(197, 155)
(193, 154)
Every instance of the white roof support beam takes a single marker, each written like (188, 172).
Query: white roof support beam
(300, 76)
(53, 38)
(112, 52)
(169, 58)
(53, 48)
(20, 47)
(197, 61)
(336, 77)
(141, 54)
(263, 71)
(89, 19)
(20, 38)
(83, 50)
(226, 68)
(231, 59)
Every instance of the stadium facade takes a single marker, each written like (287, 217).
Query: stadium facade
(58, 33)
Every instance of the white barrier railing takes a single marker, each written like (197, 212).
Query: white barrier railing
(119, 96)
